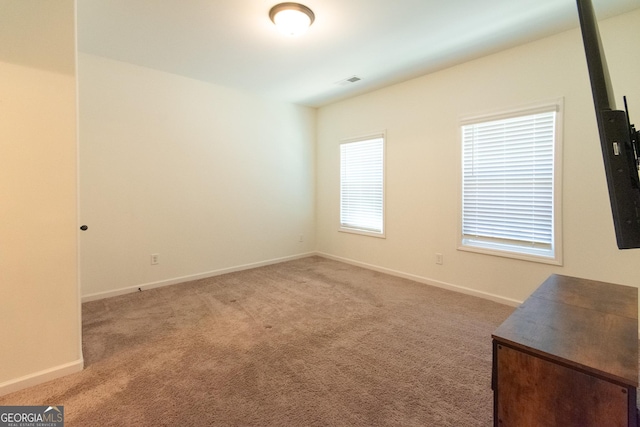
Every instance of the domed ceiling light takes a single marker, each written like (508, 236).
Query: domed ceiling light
(291, 19)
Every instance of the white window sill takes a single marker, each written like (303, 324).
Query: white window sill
(525, 254)
(362, 232)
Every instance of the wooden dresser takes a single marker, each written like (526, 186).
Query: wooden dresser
(568, 356)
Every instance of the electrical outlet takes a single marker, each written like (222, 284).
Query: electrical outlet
(301, 238)
(155, 259)
(439, 259)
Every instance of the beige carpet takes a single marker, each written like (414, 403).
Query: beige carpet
(311, 342)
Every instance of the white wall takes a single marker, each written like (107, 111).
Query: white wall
(39, 302)
(207, 177)
(422, 170)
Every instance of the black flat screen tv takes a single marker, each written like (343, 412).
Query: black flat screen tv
(618, 137)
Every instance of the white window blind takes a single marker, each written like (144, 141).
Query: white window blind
(508, 184)
(362, 186)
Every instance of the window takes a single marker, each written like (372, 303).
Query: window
(510, 184)
(362, 185)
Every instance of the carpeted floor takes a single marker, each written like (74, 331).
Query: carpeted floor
(311, 342)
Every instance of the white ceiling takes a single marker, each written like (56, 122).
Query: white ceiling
(233, 43)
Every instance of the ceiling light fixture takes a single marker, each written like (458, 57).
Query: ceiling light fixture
(292, 19)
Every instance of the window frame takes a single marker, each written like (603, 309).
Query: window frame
(518, 251)
(354, 230)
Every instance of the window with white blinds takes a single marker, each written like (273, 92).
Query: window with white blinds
(362, 186)
(509, 174)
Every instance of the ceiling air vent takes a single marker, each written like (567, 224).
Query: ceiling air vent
(348, 81)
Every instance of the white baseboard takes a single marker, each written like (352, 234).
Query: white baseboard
(41, 377)
(416, 278)
(176, 280)
(426, 281)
